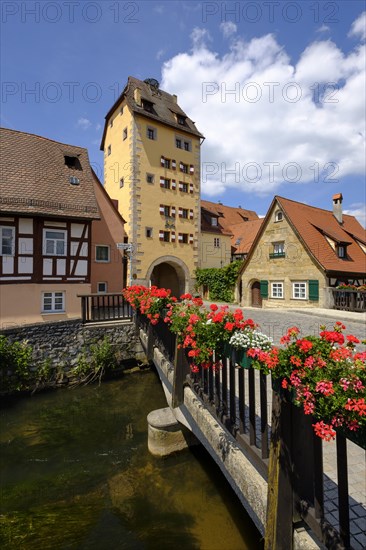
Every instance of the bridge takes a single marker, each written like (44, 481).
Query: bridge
(265, 447)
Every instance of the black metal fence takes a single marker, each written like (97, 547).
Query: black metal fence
(104, 307)
(349, 300)
(286, 453)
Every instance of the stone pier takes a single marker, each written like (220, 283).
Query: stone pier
(166, 435)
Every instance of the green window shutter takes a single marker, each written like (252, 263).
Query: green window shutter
(264, 289)
(314, 291)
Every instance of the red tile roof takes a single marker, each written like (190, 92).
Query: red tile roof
(313, 224)
(35, 178)
(234, 221)
(244, 234)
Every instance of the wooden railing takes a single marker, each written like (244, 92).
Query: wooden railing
(104, 307)
(349, 300)
(287, 454)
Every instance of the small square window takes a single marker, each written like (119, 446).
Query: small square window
(299, 291)
(181, 120)
(53, 302)
(54, 242)
(151, 133)
(150, 178)
(276, 290)
(148, 232)
(124, 134)
(102, 253)
(178, 143)
(102, 288)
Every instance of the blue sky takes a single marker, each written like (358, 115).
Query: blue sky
(293, 124)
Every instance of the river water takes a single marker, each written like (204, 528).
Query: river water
(76, 474)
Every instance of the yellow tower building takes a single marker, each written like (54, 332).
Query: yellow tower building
(152, 166)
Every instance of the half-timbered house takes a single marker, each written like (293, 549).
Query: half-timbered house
(47, 207)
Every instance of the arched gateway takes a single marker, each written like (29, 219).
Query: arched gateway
(170, 272)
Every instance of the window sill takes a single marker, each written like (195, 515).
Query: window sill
(279, 255)
(61, 312)
(102, 261)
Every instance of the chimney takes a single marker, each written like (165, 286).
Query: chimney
(137, 96)
(337, 207)
(175, 98)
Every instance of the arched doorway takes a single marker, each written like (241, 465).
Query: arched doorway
(165, 276)
(256, 294)
(170, 272)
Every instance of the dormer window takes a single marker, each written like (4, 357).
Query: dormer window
(214, 221)
(278, 216)
(181, 120)
(341, 251)
(147, 105)
(72, 162)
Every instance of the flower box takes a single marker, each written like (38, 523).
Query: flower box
(287, 395)
(242, 359)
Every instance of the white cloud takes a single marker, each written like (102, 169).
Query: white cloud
(228, 28)
(358, 28)
(98, 127)
(323, 28)
(199, 38)
(265, 119)
(359, 211)
(160, 54)
(83, 123)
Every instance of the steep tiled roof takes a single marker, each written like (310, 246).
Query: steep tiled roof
(313, 224)
(165, 107)
(35, 178)
(231, 221)
(244, 234)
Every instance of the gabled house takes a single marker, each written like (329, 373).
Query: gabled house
(300, 253)
(222, 231)
(48, 203)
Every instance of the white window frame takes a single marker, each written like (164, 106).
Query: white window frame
(279, 216)
(12, 243)
(109, 253)
(53, 298)
(55, 240)
(296, 289)
(214, 221)
(277, 286)
(102, 291)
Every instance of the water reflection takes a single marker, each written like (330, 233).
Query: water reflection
(76, 474)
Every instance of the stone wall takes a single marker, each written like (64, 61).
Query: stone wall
(62, 342)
